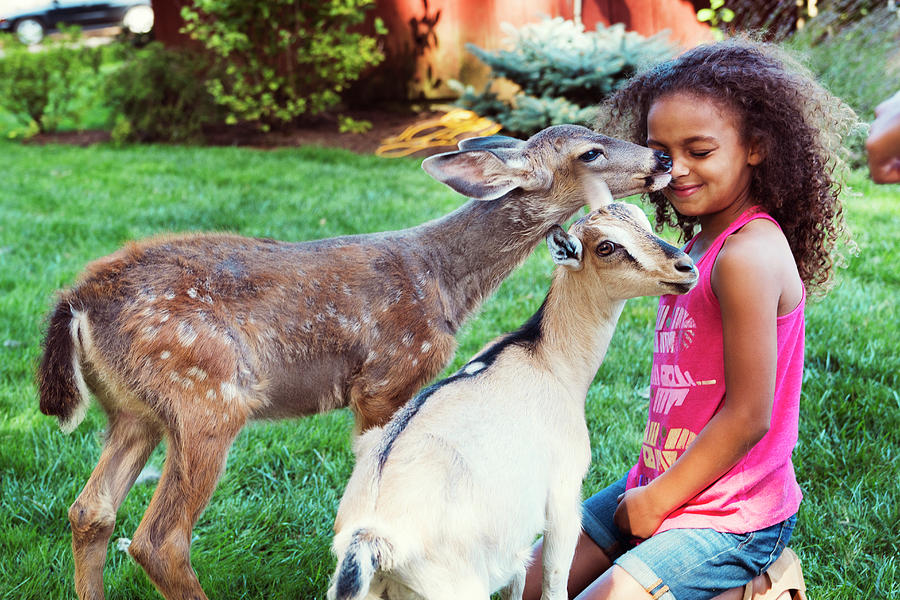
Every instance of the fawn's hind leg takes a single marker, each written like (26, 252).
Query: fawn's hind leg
(195, 458)
(130, 440)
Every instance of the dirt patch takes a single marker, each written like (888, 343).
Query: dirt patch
(324, 131)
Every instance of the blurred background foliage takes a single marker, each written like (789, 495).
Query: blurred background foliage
(271, 66)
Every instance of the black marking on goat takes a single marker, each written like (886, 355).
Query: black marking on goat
(526, 336)
(350, 576)
(669, 250)
(631, 259)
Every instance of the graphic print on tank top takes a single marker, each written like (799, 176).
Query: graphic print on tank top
(669, 385)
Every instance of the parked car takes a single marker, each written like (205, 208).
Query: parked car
(32, 24)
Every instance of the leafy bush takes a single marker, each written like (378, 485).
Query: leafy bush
(158, 94)
(281, 59)
(778, 19)
(562, 72)
(44, 87)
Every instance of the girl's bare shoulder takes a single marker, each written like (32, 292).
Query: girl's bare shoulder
(756, 261)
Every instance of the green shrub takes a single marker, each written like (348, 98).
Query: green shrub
(158, 94)
(280, 60)
(857, 60)
(778, 19)
(562, 72)
(45, 87)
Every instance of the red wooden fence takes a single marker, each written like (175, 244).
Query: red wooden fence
(478, 21)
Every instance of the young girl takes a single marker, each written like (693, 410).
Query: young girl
(711, 503)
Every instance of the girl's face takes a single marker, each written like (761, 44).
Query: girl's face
(711, 164)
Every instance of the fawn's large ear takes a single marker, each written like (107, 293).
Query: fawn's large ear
(565, 249)
(486, 174)
(490, 142)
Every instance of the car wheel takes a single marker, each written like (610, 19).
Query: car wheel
(138, 19)
(29, 31)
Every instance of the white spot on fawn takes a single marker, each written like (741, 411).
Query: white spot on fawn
(426, 346)
(186, 333)
(186, 383)
(229, 391)
(165, 354)
(192, 292)
(197, 373)
(169, 295)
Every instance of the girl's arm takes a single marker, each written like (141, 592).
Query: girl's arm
(746, 282)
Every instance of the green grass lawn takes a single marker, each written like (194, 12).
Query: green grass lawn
(267, 531)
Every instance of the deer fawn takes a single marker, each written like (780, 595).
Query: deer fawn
(191, 336)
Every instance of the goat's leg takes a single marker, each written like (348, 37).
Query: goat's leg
(195, 459)
(440, 584)
(129, 442)
(560, 538)
(516, 587)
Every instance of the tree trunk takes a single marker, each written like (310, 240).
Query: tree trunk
(168, 23)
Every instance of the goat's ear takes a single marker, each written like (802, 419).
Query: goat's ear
(488, 142)
(565, 249)
(485, 174)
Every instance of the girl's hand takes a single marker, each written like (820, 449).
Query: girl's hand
(637, 514)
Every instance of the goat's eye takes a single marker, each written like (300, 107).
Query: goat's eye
(606, 248)
(591, 155)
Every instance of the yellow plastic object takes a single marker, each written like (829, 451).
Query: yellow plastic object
(442, 131)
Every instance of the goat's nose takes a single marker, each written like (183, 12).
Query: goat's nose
(684, 264)
(663, 160)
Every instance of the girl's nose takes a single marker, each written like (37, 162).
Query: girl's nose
(679, 168)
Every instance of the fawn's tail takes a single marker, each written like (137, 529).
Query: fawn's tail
(61, 385)
(367, 553)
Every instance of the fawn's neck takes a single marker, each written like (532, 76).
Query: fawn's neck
(478, 245)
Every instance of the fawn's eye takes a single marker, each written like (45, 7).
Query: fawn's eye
(605, 248)
(592, 155)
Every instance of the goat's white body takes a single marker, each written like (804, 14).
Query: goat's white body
(473, 478)
(489, 461)
(445, 501)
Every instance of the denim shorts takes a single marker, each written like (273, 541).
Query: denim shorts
(684, 564)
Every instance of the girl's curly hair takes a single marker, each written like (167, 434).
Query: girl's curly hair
(799, 125)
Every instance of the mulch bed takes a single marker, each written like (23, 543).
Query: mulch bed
(321, 132)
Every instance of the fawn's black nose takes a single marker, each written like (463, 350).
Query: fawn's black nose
(684, 264)
(664, 160)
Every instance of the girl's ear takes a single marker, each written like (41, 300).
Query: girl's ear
(757, 152)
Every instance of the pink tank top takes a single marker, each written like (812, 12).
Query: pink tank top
(687, 387)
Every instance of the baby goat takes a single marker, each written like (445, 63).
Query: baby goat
(445, 500)
(189, 337)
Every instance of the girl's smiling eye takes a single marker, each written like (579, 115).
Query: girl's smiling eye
(592, 155)
(700, 153)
